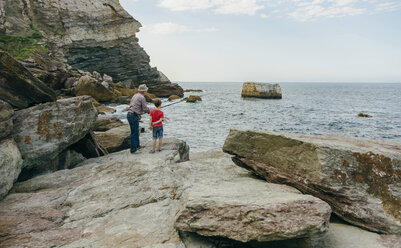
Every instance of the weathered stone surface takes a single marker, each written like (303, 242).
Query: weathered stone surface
(251, 210)
(19, 87)
(10, 165)
(173, 97)
(105, 110)
(166, 90)
(149, 97)
(127, 91)
(94, 35)
(115, 139)
(341, 236)
(91, 87)
(193, 98)
(119, 200)
(6, 121)
(359, 178)
(106, 123)
(261, 90)
(45, 130)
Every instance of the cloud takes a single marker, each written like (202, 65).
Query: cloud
(165, 28)
(246, 7)
(301, 10)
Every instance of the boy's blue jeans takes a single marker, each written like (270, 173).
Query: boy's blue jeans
(134, 125)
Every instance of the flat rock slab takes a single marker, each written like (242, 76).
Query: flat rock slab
(252, 210)
(19, 87)
(344, 236)
(360, 179)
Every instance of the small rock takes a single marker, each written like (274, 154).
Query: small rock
(192, 90)
(104, 109)
(364, 115)
(166, 90)
(107, 78)
(173, 97)
(105, 84)
(97, 76)
(149, 97)
(193, 98)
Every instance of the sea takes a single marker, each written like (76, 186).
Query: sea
(306, 108)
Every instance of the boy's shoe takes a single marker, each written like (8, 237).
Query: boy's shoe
(151, 151)
(159, 150)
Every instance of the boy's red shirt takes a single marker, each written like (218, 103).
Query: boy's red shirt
(157, 115)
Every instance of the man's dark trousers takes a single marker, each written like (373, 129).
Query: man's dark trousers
(134, 125)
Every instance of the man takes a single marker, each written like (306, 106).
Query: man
(137, 107)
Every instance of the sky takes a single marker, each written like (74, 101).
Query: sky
(271, 40)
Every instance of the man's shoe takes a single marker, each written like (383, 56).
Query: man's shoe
(140, 147)
(133, 152)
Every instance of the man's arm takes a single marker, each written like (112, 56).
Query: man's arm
(145, 108)
(150, 123)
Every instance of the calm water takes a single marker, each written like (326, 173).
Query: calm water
(312, 108)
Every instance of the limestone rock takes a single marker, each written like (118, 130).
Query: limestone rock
(10, 165)
(127, 91)
(106, 123)
(94, 35)
(166, 90)
(261, 90)
(149, 97)
(359, 178)
(123, 199)
(19, 87)
(6, 121)
(45, 130)
(193, 98)
(173, 97)
(104, 109)
(91, 87)
(107, 78)
(342, 235)
(115, 139)
(251, 210)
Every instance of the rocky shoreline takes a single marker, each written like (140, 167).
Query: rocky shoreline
(68, 180)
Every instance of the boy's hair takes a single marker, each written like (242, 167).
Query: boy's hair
(157, 102)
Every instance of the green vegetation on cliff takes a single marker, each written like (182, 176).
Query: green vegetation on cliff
(21, 47)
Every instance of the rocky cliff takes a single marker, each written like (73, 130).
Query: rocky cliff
(92, 35)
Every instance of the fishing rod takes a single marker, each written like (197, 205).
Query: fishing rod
(165, 106)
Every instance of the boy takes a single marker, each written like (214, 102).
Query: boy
(156, 123)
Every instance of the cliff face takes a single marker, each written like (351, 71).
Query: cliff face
(92, 35)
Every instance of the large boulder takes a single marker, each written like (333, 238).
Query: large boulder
(166, 90)
(19, 87)
(45, 130)
(360, 179)
(89, 86)
(115, 139)
(251, 210)
(6, 121)
(261, 90)
(10, 165)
